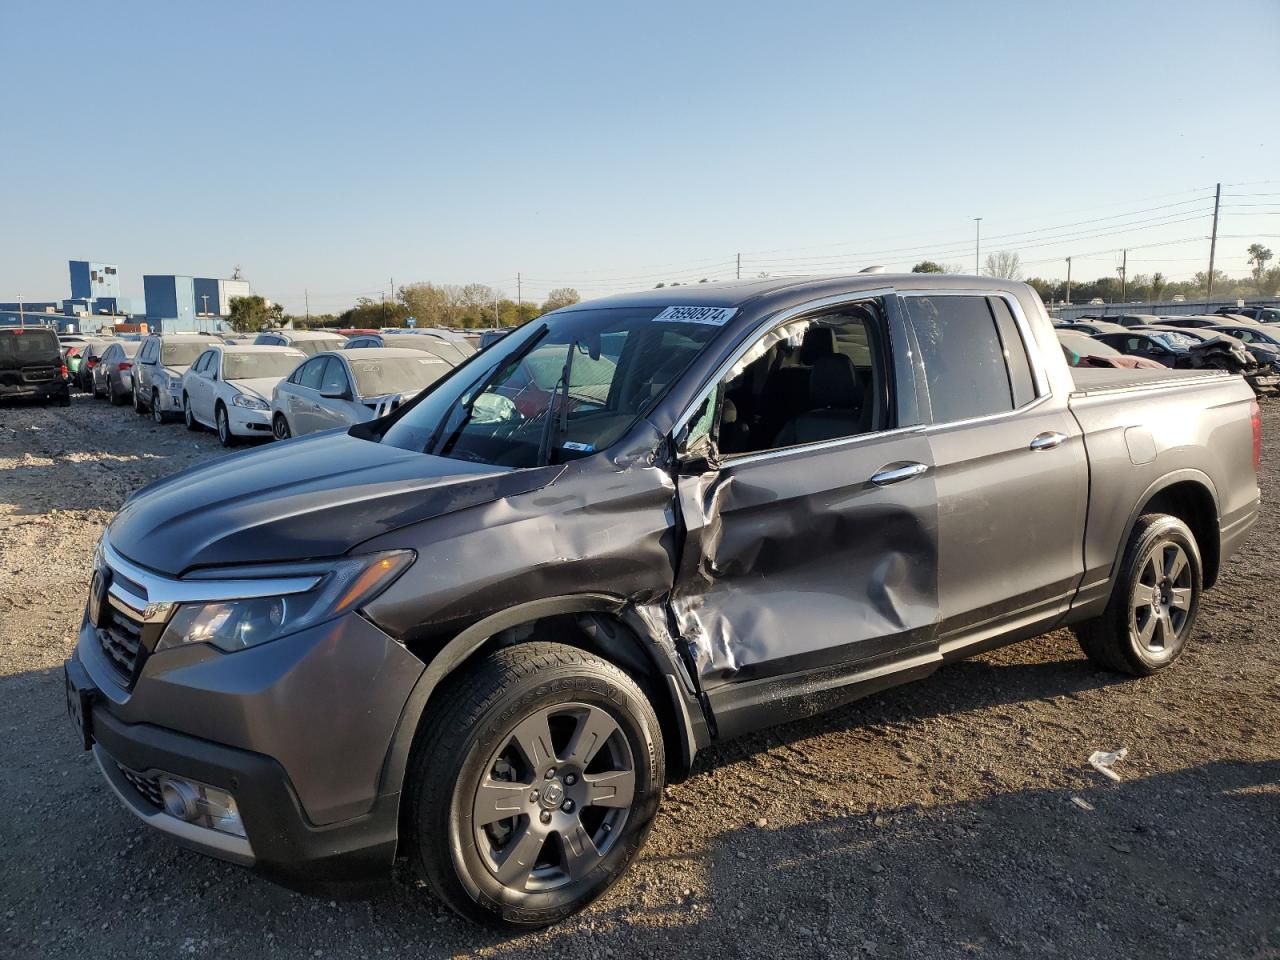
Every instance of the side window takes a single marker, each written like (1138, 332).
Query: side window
(310, 374)
(334, 378)
(820, 378)
(1015, 352)
(964, 357)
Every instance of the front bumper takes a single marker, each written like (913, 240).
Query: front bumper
(249, 423)
(295, 730)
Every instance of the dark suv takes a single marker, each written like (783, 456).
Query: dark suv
(32, 366)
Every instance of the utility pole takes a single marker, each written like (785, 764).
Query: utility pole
(1213, 240)
(977, 246)
(306, 296)
(1124, 275)
(739, 275)
(393, 289)
(21, 320)
(1068, 281)
(519, 300)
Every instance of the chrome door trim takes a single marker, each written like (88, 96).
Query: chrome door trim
(743, 459)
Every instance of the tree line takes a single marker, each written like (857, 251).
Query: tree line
(1263, 281)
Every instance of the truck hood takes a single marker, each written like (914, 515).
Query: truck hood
(310, 498)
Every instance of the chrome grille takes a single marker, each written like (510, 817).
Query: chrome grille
(148, 788)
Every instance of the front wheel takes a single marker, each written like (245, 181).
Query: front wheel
(188, 417)
(1154, 600)
(535, 784)
(225, 436)
(280, 427)
(157, 411)
(138, 408)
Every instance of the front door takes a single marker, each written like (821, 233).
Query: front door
(811, 549)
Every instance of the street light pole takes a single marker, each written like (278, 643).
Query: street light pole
(977, 246)
(1068, 281)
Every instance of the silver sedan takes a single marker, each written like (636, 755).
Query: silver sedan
(113, 374)
(342, 387)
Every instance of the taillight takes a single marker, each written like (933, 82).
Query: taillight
(124, 366)
(1255, 420)
(64, 371)
(91, 362)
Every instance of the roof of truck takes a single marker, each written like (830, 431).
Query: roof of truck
(740, 293)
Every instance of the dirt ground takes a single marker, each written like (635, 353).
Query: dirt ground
(935, 820)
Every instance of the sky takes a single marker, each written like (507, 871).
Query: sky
(328, 149)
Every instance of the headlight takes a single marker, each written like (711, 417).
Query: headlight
(251, 403)
(238, 624)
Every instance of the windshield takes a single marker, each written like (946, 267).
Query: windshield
(319, 345)
(556, 390)
(250, 366)
(1175, 341)
(397, 374)
(1087, 346)
(182, 353)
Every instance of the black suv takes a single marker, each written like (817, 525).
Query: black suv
(32, 366)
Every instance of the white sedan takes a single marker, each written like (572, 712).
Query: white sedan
(341, 387)
(229, 387)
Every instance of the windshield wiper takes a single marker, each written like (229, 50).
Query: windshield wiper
(561, 389)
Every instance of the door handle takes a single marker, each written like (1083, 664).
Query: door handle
(1047, 441)
(897, 474)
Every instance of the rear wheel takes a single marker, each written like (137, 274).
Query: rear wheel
(535, 784)
(280, 427)
(1153, 603)
(117, 399)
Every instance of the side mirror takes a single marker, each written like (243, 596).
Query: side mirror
(332, 394)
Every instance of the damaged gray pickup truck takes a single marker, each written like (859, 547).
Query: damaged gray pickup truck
(480, 633)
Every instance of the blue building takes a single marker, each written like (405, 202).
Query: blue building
(171, 302)
(95, 288)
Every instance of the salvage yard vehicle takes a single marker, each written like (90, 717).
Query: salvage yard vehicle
(453, 350)
(32, 366)
(113, 373)
(229, 387)
(161, 362)
(481, 636)
(309, 342)
(345, 387)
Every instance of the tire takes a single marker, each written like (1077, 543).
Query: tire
(65, 399)
(223, 426)
(157, 411)
(1154, 601)
(188, 417)
(280, 427)
(117, 400)
(472, 736)
(96, 394)
(138, 408)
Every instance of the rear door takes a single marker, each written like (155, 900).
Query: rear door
(333, 410)
(303, 399)
(810, 559)
(1009, 467)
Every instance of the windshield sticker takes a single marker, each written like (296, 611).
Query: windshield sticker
(581, 447)
(712, 316)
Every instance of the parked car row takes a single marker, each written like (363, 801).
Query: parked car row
(1232, 342)
(284, 383)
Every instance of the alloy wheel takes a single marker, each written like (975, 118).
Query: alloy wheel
(554, 797)
(224, 428)
(1161, 601)
(157, 414)
(280, 428)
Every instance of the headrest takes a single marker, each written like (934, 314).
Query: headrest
(728, 411)
(818, 342)
(833, 383)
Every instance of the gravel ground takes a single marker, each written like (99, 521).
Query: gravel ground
(937, 820)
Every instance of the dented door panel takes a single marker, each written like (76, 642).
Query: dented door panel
(796, 561)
